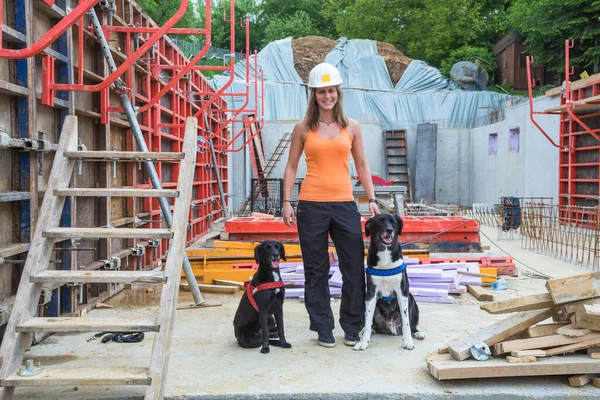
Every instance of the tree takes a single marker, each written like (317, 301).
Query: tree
(161, 10)
(297, 25)
(547, 24)
(287, 11)
(221, 29)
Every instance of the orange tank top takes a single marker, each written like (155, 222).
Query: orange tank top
(327, 168)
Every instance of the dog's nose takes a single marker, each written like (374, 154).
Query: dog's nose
(389, 231)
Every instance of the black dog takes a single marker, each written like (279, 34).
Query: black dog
(387, 285)
(253, 323)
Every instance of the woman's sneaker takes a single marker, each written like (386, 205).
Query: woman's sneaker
(351, 339)
(326, 339)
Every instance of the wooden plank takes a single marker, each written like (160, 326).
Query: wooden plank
(129, 233)
(570, 330)
(498, 332)
(443, 367)
(82, 377)
(62, 276)
(574, 85)
(161, 346)
(543, 329)
(596, 382)
(75, 324)
(566, 311)
(525, 353)
(587, 316)
(116, 192)
(595, 355)
(574, 288)
(525, 359)
(14, 344)
(541, 342)
(123, 155)
(226, 282)
(573, 347)
(211, 288)
(480, 293)
(524, 303)
(581, 380)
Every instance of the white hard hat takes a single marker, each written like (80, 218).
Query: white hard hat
(324, 75)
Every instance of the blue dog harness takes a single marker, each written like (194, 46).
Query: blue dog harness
(387, 272)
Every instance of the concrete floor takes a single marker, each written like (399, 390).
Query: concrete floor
(206, 362)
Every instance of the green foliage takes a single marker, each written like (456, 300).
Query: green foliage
(285, 13)
(161, 10)
(297, 25)
(221, 28)
(469, 53)
(548, 23)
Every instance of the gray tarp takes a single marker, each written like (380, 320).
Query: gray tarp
(422, 94)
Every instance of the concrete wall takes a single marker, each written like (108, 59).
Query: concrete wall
(465, 171)
(532, 171)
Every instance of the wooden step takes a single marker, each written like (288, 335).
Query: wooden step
(66, 276)
(103, 376)
(124, 156)
(116, 192)
(76, 324)
(128, 233)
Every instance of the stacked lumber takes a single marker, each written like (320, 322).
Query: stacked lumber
(503, 265)
(526, 343)
(429, 283)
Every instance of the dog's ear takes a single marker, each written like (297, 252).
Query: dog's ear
(368, 227)
(257, 253)
(399, 223)
(282, 251)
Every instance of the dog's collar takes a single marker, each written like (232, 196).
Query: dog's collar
(386, 272)
(251, 290)
(388, 298)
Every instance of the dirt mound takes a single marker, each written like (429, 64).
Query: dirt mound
(312, 50)
(395, 60)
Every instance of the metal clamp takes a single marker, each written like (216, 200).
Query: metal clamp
(113, 263)
(138, 250)
(29, 369)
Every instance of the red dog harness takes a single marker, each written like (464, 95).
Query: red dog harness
(250, 290)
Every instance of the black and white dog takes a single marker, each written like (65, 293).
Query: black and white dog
(390, 308)
(254, 325)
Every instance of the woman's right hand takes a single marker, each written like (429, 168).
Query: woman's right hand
(288, 214)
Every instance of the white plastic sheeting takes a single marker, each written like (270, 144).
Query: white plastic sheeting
(422, 94)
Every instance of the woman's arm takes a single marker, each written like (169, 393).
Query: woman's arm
(291, 169)
(362, 167)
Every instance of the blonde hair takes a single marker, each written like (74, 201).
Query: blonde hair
(311, 119)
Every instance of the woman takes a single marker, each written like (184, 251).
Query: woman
(326, 205)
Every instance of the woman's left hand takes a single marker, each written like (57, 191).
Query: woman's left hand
(374, 209)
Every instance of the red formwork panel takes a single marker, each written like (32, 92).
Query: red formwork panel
(456, 232)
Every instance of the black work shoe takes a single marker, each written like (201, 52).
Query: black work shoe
(326, 339)
(351, 339)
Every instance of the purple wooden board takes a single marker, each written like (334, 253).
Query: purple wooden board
(469, 279)
(444, 266)
(425, 292)
(431, 285)
(297, 292)
(459, 290)
(434, 274)
(300, 269)
(336, 279)
(430, 299)
(410, 261)
(291, 276)
(288, 266)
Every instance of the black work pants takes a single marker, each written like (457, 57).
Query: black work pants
(341, 220)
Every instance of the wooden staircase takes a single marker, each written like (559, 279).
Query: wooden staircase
(23, 321)
(277, 155)
(396, 159)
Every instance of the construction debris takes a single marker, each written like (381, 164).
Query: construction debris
(521, 339)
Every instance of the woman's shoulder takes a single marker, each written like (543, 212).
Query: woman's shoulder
(300, 129)
(353, 127)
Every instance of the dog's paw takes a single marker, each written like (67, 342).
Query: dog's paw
(408, 344)
(265, 350)
(362, 345)
(286, 345)
(418, 335)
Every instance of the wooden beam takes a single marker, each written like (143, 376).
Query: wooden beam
(127, 233)
(566, 311)
(75, 324)
(81, 376)
(541, 342)
(211, 288)
(116, 192)
(587, 316)
(574, 85)
(525, 359)
(480, 293)
(543, 329)
(524, 303)
(498, 332)
(443, 367)
(62, 276)
(581, 380)
(123, 155)
(225, 282)
(574, 288)
(573, 347)
(596, 382)
(525, 353)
